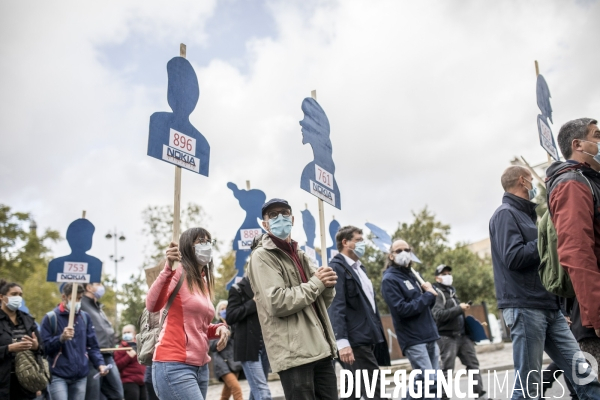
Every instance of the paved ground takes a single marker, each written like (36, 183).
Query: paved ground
(489, 359)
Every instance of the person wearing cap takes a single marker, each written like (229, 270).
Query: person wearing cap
(449, 316)
(292, 297)
(353, 313)
(410, 304)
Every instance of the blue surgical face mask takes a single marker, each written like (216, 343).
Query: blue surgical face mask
(99, 292)
(531, 192)
(128, 337)
(281, 226)
(359, 249)
(223, 313)
(597, 155)
(14, 302)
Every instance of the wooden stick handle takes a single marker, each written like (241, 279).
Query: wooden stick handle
(73, 301)
(416, 274)
(115, 349)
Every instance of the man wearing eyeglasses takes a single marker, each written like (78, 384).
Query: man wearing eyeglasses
(410, 304)
(353, 313)
(292, 297)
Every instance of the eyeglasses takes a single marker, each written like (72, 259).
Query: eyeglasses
(401, 250)
(206, 241)
(286, 212)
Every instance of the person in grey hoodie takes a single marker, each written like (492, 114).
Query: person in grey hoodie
(110, 385)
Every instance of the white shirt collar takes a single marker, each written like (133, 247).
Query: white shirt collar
(351, 262)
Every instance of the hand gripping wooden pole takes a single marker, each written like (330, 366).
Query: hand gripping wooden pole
(313, 94)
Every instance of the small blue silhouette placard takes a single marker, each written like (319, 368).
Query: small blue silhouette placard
(318, 176)
(310, 230)
(543, 100)
(77, 267)
(251, 201)
(334, 227)
(381, 238)
(172, 137)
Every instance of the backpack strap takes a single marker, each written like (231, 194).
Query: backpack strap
(171, 300)
(52, 318)
(443, 295)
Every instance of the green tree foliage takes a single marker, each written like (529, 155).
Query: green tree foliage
(24, 259)
(132, 298)
(20, 249)
(109, 300)
(225, 272)
(426, 236)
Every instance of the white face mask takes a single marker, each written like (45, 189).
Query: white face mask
(403, 259)
(446, 280)
(14, 302)
(203, 253)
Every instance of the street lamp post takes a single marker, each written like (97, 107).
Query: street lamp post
(115, 257)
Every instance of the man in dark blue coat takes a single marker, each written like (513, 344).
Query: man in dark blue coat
(353, 313)
(410, 304)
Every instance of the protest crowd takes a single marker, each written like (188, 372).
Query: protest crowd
(289, 316)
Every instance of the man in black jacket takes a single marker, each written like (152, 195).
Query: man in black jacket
(353, 313)
(248, 346)
(449, 316)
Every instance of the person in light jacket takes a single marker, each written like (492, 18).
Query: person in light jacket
(292, 297)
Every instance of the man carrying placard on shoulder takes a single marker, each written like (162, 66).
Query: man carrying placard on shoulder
(354, 315)
(292, 297)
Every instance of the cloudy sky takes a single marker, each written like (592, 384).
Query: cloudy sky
(428, 102)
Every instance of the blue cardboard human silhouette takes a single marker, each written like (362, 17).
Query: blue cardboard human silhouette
(251, 201)
(334, 227)
(310, 230)
(381, 238)
(542, 92)
(173, 138)
(318, 176)
(78, 266)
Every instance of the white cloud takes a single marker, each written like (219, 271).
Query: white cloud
(428, 101)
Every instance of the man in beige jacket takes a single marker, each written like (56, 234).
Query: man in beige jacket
(292, 297)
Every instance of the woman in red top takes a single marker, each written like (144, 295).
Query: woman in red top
(132, 372)
(180, 363)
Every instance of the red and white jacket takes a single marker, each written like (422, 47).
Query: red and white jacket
(187, 329)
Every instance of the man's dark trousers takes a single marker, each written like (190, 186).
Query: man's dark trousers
(364, 359)
(463, 347)
(315, 380)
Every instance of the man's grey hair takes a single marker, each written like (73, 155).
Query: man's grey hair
(575, 129)
(130, 327)
(510, 177)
